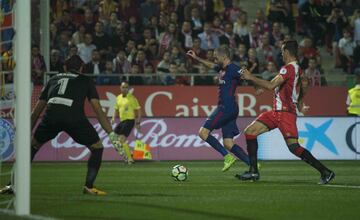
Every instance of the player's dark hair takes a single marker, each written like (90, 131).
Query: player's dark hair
(74, 64)
(291, 46)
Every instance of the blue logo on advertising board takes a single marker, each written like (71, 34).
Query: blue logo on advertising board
(317, 134)
(7, 135)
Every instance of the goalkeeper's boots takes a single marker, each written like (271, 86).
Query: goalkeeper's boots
(229, 160)
(248, 176)
(94, 191)
(326, 177)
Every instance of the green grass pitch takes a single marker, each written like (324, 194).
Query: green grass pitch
(145, 190)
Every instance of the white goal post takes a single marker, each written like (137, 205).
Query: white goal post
(22, 106)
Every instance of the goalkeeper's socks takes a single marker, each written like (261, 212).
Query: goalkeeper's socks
(216, 145)
(93, 166)
(252, 146)
(240, 153)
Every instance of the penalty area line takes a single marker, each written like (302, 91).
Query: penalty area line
(33, 217)
(343, 186)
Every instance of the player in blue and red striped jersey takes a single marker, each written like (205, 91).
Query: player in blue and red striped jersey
(226, 113)
(289, 87)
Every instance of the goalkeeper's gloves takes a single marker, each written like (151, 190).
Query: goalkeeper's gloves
(114, 138)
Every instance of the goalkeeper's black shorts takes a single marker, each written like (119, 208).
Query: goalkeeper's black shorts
(79, 129)
(125, 127)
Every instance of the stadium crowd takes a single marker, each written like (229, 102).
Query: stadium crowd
(116, 37)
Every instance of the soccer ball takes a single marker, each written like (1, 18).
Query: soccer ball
(179, 173)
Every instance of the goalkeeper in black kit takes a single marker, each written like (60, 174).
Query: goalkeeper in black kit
(64, 96)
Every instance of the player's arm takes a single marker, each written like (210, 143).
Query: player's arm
(39, 107)
(269, 85)
(100, 115)
(207, 63)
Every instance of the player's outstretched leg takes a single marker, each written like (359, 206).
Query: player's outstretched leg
(93, 166)
(326, 174)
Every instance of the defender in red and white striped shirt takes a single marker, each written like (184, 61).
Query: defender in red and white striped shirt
(289, 87)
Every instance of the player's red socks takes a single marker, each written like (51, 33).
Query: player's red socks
(252, 147)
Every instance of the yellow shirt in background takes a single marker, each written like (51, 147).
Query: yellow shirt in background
(126, 106)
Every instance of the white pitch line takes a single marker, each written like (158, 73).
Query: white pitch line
(344, 186)
(34, 217)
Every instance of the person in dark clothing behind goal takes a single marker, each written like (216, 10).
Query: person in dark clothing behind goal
(64, 96)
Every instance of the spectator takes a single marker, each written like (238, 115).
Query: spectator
(261, 24)
(135, 80)
(85, 49)
(279, 11)
(241, 54)
(314, 75)
(253, 37)
(265, 52)
(355, 24)
(65, 24)
(149, 79)
(146, 38)
(253, 63)
(307, 51)
(356, 57)
(128, 8)
(208, 39)
(234, 12)
(198, 51)
(188, 10)
(336, 23)
(134, 28)
(203, 79)
(112, 24)
(121, 64)
(120, 37)
(164, 64)
(270, 71)
(217, 26)
(95, 66)
(241, 28)
(152, 51)
(141, 60)
(147, 9)
(176, 55)
(186, 36)
(73, 50)
(54, 35)
(89, 23)
(346, 48)
(130, 50)
(167, 38)
(108, 79)
(276, 34)
(100, 39)
(38, 66)
(55, 61)
(154, 26)
(313, 21)
(63, 45)
(230, 39)
(106, 8)
(196, 21)
(79, 36)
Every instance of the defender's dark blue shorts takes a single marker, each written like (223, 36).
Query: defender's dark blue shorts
(226, 120)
